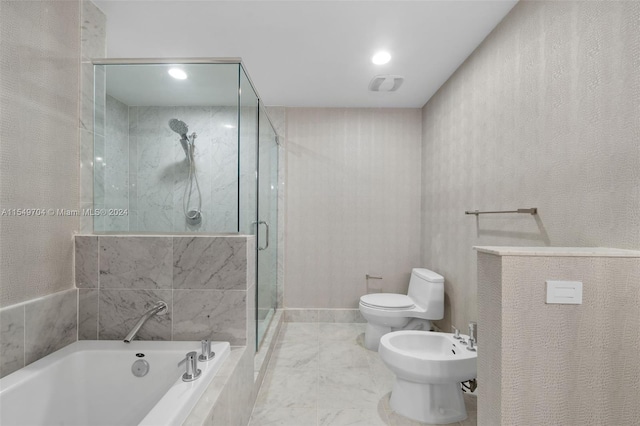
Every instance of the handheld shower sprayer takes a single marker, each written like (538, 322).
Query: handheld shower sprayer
(181, 128)
(193, 216)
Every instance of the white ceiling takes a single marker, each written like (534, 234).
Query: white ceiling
(312, 53)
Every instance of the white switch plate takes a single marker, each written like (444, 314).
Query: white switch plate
(564, 292)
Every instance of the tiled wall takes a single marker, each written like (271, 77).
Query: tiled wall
(144, 168)
(39, 64)
(353, 204)
(543, 114)
(159, 167)
(34, 329)
(547, 364)
(208, 283)
(48, 46)
(40, 68)
(111, 174)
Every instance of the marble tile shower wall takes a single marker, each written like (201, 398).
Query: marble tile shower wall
(151, 184)
(111, 190)
(162, 167)
(204, 280)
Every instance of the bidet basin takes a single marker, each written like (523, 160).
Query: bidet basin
(426, 356)
(429, 367)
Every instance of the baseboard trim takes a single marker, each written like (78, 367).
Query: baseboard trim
(323, 315)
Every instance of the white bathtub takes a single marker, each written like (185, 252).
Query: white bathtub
(90, 383)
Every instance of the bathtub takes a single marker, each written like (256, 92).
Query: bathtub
(91, 383)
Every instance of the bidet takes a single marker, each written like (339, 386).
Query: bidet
(429, 368)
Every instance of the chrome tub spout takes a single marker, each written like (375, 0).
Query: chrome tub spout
(159, 308)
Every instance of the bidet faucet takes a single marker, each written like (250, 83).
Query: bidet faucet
(472, 339)
(471, 344)
(472, 331)
(456, 332)
(159, 308)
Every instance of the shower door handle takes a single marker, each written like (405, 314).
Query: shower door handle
(262, 222)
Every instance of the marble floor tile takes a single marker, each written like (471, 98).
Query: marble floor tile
(471, 401)
(340, 331)
(342, 355)
(321, 375)
(347, 388)
(283, 416)
(383, 378)
(289, 388)
(351, 417)
(299, 332)
(295, 355)
(396, 419)
(471, 420)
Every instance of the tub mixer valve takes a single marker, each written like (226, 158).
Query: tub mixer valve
(207, 354)
(193, 372)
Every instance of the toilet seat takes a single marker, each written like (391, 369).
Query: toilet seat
(391, 301)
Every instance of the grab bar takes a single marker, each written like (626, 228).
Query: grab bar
(532, 210)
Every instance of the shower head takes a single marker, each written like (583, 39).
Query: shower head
(179, 126)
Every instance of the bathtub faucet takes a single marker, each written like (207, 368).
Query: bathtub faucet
(159, 308)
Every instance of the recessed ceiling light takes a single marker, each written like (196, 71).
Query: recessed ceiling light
(177, 73)
(381, 58)
(229, 126)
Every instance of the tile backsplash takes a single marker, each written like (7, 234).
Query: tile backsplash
(205, 280)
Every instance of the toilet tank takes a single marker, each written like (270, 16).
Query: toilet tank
(426, 288)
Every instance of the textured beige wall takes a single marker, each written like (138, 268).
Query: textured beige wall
(545, 113)
(561, 364)
(352, 203)
(490, 339)
(39, 74)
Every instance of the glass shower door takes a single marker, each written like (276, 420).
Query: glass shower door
(267, 235)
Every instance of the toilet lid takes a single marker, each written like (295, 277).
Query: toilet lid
(388, 300)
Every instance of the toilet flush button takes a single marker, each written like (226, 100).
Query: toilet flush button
(564, 292)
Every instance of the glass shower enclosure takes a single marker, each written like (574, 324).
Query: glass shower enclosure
(186, 146)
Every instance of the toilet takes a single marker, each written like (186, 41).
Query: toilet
(387, 312)
(429, 367)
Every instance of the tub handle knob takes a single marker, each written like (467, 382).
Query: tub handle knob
(193, 372)
(207, 354)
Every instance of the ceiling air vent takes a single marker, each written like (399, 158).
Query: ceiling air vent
(386, 83)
